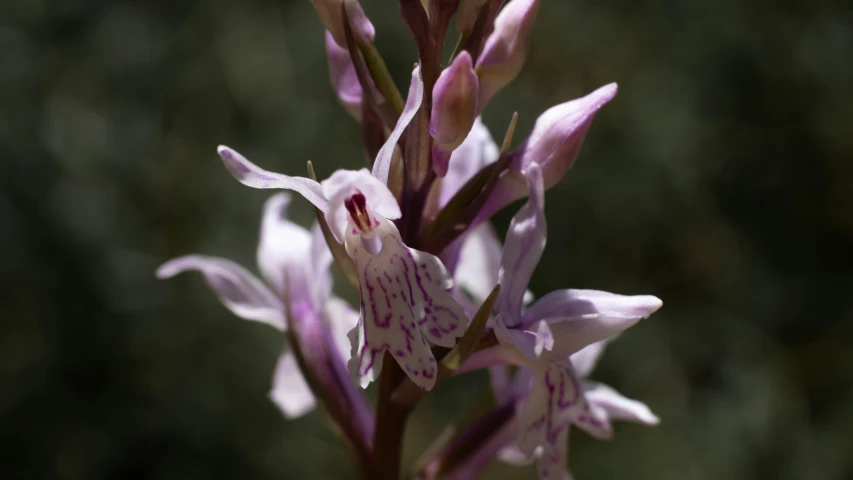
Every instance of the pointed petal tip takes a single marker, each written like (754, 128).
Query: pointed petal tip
(174, 266)
(649, 305)
(650, 418)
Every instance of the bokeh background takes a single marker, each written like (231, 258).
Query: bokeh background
(720, 179)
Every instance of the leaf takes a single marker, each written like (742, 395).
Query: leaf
(388, 112)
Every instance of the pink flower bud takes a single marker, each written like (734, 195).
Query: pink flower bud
(553, 144)
(558, 135)
(343, 77)
(506, 48)
(454, 108)
(330, 14)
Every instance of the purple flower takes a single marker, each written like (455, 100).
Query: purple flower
(294, 264)
(404, 292)
(555, 339)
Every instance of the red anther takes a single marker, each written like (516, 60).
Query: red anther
(356, 205)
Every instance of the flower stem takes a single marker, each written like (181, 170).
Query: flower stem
(390, 423)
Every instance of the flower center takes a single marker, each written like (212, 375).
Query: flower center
(356, 205)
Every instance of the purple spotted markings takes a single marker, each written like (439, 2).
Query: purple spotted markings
(556, 401)
(404, 301)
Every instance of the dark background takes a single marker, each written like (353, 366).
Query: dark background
(719, 179)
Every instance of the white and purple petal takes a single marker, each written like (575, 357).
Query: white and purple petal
(404, 302)
(290, 391)
(284, 246)
(525, 241)
(343, 184)
(479, 262)
(617, 406)
(239, 290)
(585, 359)
(582, 317)
(382, 165)
(254, 176)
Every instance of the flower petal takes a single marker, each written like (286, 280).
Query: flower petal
(341, 318)
(454, 105)
(382, 165)
(404, 301)
(254, 176)
(554, 458)
(618, 406)
(585, 359)
(479, 261)
(290, 391)
(321, 263)
(506, 48)
(342, 184)
(555, 397)
(582, 317)
(557, 136)
(240, 291)
(284, 245)
(477, 151)
(525, 241)
(343, 77)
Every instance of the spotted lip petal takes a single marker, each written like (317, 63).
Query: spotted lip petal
(555, 402)
(239, 290)
(404, 302)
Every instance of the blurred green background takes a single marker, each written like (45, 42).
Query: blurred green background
(719, 179)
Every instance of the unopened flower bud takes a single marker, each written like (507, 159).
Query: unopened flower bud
(558, 135)
(330, 14)
(466, 14)
(454, 108)
(506, 48)
(553, 144)
(343, 77)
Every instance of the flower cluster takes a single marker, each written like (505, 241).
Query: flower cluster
(439, 294)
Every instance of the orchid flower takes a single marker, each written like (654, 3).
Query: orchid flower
(604, 402)
(294, 263)
(410, 300)
(404, 297)
(545, 338)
